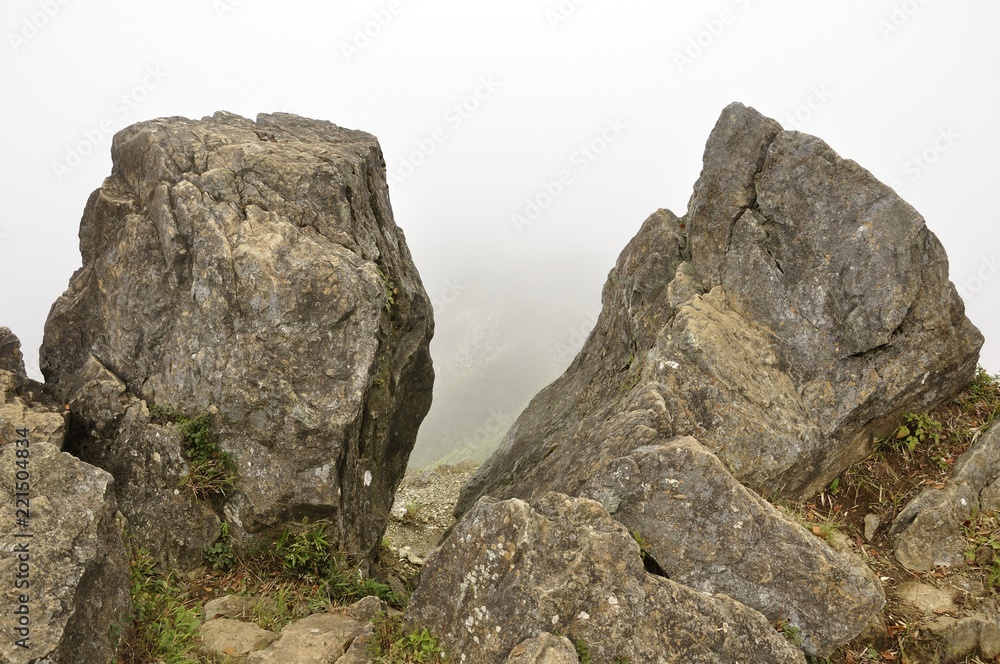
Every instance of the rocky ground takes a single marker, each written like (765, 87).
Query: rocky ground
(936, 616)
(421, 515)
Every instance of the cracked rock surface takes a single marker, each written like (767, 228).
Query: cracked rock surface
(252, 271)
(785, 322)
(512, 570)
(794, 313)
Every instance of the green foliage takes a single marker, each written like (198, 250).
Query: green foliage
(220, 556)
(394, 642)
(791, 633)
(391, 290)
(210, 470)
(835, 486)
(164, 626)
(306, 552)
(621, 660)
(915, 430)
(993, 575)
(582, 651)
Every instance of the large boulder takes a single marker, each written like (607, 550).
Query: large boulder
(706, 530)
(791, 316)
(66, 598)
(512, 570)
(251, 272)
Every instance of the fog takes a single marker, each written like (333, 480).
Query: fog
(525, 141)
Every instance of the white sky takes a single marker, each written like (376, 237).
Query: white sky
(887, 79)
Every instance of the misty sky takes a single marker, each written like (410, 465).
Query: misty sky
(526, 141)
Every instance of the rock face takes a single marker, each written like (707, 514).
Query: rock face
(66, 568)
(706, 531)
(929, 531)
(513, 570)
(791, 317)
(794, 313)
(251, 271)
(67, 594)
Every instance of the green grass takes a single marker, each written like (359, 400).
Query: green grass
(394, 642)
(165, 623)
(211, 471)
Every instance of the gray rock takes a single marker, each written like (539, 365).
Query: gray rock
(228, 606)
(11, 358)
(366, 608)
(147, 462)
(72, 565)
(707, 531)
(233, 638)
(545, 648)
(24, 405)
(928, 531)
(872, 524)
(927, 599)
(251, 270)
(512, 570)
(788, 319)
(977, 634)
(317, 639)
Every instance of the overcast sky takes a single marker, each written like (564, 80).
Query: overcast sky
(482, 108)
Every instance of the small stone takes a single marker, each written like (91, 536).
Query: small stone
(872, 523)
(926, 598)
(224, 636)
(228, 606)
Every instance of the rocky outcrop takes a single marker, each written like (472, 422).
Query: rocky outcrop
(796, 310)
(66, 598)
(11, 359)
(707, 531)
(929, 531)
(252, 272)
(512, 570)
(787, 320)
(66, 595)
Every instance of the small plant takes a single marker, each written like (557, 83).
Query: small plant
(791, 633)
(582, 651)
(915, 430)
(393, 642)
(210, 470)
(306, 553)
(391, 290)
(220, 556)
(411, 513)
